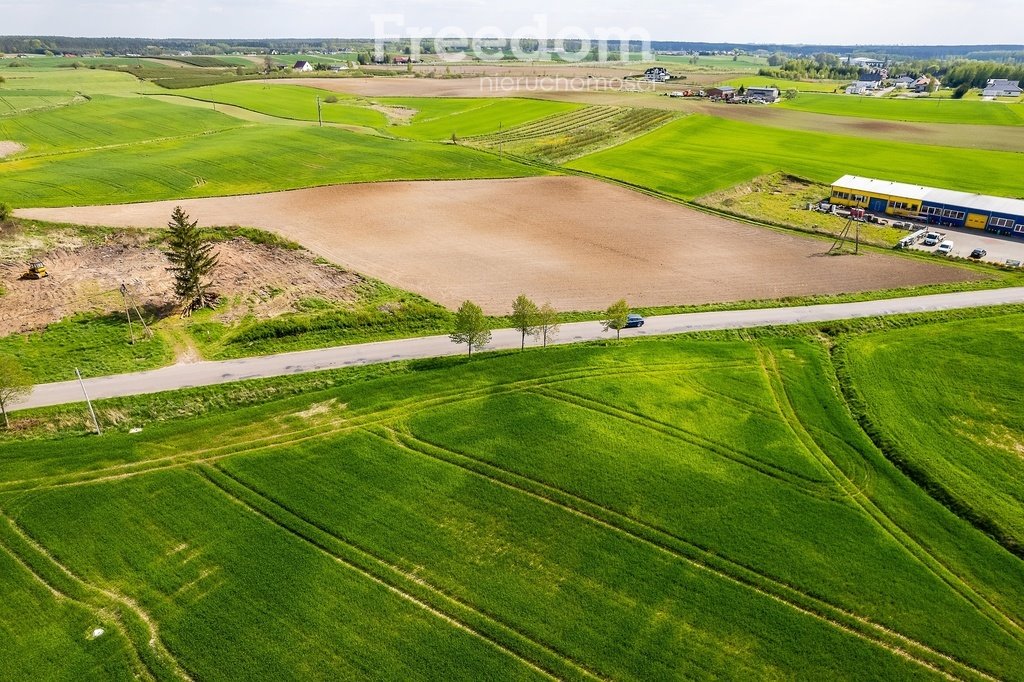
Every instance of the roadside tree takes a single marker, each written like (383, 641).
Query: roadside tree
(524, 317)
(470, 327)
(15, 383)
(192, 263)
(616, 317)
(547, 323)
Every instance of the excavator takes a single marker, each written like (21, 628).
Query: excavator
(36, 270)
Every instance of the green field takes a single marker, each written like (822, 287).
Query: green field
(107, 121)
(95, 345)
(648, 510)
(19, 101)
(701, 154)
(141, 150)
(87, 81)
(965, 443)
(290, 59)
(440, 118)
(562, 137)
(783, 85)
(289, 101)
(926, 110)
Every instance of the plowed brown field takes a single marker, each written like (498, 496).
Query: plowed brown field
(577, 243)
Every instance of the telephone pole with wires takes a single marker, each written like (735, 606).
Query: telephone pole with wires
(131, 304)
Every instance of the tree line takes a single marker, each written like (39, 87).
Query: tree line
(471, 328)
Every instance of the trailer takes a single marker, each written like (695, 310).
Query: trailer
(912, 239)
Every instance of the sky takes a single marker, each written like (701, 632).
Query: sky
(747, 21)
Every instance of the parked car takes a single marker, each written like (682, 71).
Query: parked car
(634, 322)
(978, 254)
(945, 248)
(932, 238)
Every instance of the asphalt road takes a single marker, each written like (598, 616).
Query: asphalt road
(209, 373)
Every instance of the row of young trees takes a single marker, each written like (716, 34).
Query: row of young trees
(471, 327)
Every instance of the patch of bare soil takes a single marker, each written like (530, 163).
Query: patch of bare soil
(10, 148)
(576, 242)
(255, 279)
(395, 115)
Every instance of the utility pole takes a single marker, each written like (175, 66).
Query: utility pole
(95, 422)
(319, 115)
(128, 311)
(501, 142)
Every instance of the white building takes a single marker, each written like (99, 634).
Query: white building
(863, 87)
(1000, 87)
(302, 66)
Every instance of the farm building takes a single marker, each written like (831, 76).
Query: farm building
(768, 94)
(863, 87)
(937, 206)
(863, 62)
(724, 92)
(657, 74)
(302, 66)
(999, 87)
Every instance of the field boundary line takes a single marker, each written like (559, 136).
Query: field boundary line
(327, 428)
(158, 661)
(140, 666)
(699, 557)
(400, 583)
(817, 489)
(908, 542)
(855, 403)
(122, 145)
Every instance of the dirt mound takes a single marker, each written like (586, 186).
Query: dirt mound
(575, 242)
(255, 279)
(10, 148)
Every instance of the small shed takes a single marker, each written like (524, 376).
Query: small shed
(302, 66)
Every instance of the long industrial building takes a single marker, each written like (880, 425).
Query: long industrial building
(936, 206)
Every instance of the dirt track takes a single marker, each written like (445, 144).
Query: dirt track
(577, 243)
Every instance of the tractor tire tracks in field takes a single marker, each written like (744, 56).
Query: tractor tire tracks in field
(538, 656)
(699, 557)
(815, 488)
(151, 657)
(883, 521)
(288, 435)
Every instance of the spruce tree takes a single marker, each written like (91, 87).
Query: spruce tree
(192, 263)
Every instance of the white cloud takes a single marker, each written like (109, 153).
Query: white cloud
(763, 21)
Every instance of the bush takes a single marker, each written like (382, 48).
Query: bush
(5, 212)
(411, 316)
(331, 99)
(961, 90)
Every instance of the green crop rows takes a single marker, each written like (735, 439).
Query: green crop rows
(965, 444)
(927, 110)
(701, 154)
(673, 508)
(563, 137)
